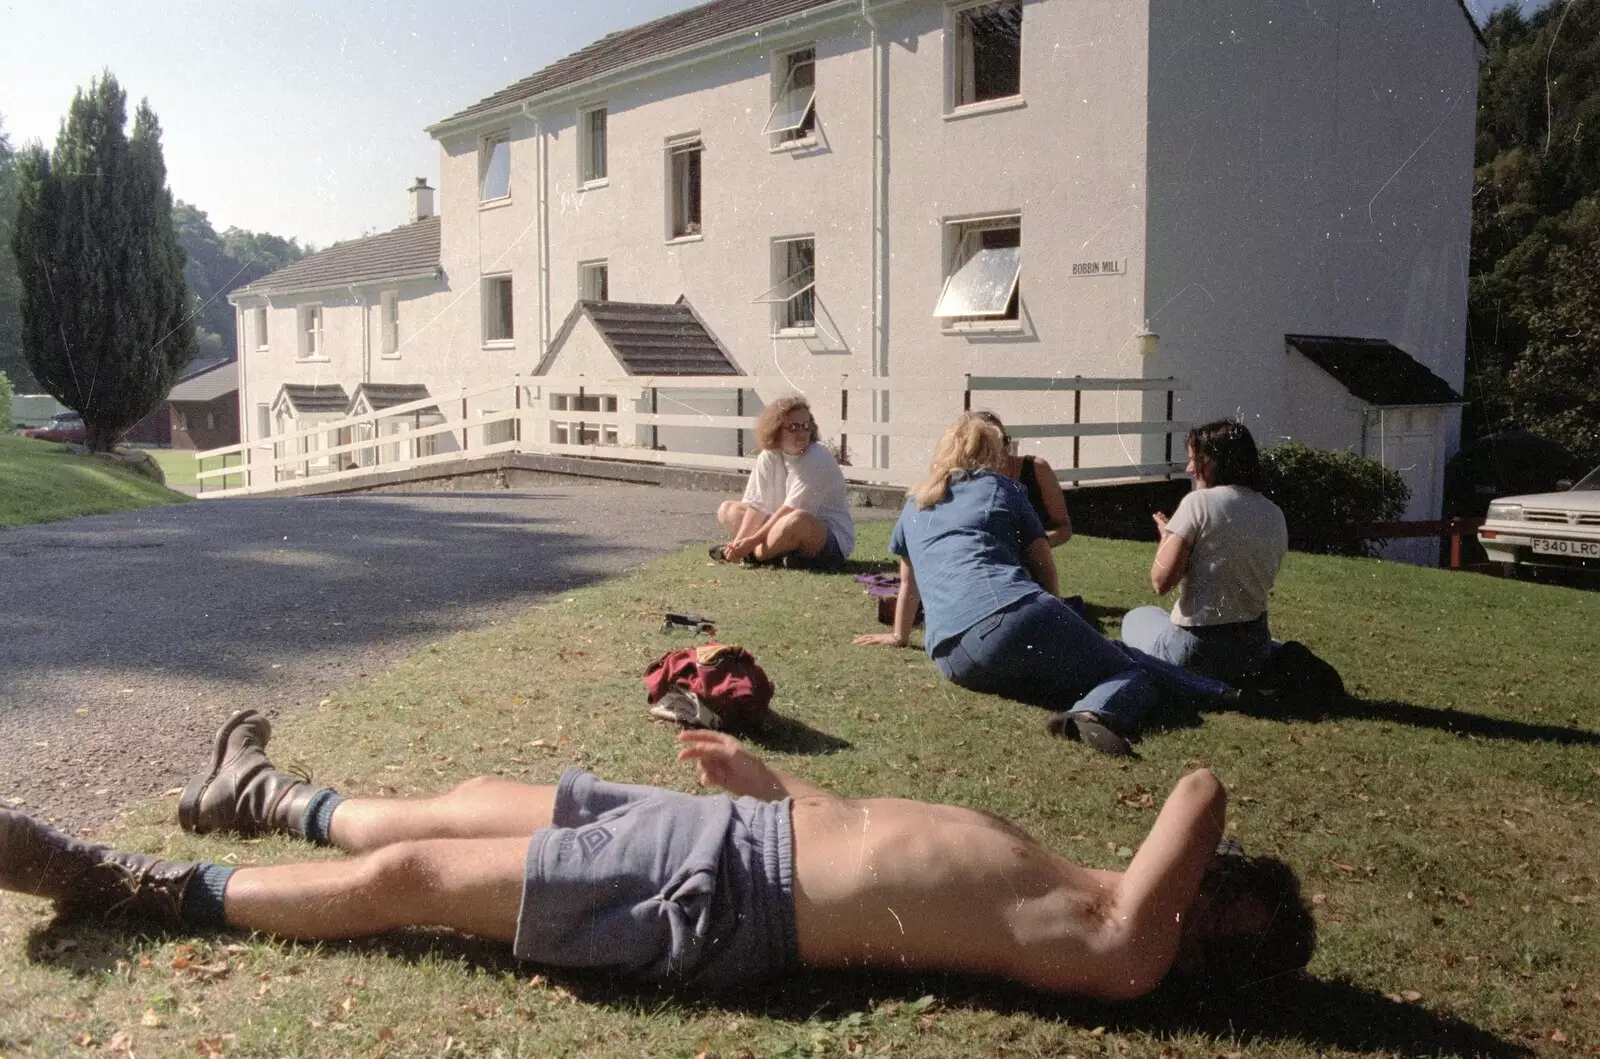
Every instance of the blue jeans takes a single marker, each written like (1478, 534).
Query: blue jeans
(1040, 650)
(1226, 652)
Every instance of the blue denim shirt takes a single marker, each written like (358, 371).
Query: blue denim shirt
(966, 552)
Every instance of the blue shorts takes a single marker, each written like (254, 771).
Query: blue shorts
(828, 560)
(690, 890)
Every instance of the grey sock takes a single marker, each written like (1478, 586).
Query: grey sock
(319, 815)
(202, 898)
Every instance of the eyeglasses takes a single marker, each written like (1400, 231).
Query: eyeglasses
(799, 428)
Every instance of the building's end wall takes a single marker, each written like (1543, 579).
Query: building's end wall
(1310, 172)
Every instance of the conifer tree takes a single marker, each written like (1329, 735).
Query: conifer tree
(105, 325)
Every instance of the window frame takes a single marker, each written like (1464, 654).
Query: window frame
(258, 321)
(311, 342)
(588, 179)
(784, 69)
(493, 312)
(587, 269)
(786, 322)
(962, 243)
(961, 61)
(486, 148)
(389, 325)
(683, 230)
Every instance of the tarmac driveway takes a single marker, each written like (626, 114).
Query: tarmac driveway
(126, 639)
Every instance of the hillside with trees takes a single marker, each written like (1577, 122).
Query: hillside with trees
(1534, 323)
(218, 264)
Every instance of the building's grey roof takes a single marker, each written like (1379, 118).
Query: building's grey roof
(1374, 370)
(649, 339)
(614, 51)
(216, 379)
(381, 395)
(676, 33)
(307, 399)
(410, 250)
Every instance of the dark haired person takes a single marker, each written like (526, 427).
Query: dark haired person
(794, 509)
(704, 892)
(1221, 550)
(1039, 479)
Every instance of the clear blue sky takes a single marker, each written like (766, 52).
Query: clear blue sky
(300, 117)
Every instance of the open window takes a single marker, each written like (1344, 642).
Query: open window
(793, 294)
(310, 331)
(683, 187)
(794, 108)
(986, 52)
(498, 325)
(981, 281)
(592, 146)
(494, 167)
(594, 281)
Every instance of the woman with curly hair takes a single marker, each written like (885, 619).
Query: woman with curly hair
(1221, 550)
(975, 555)
(794, 510)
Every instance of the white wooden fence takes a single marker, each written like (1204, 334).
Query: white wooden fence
(516, 416)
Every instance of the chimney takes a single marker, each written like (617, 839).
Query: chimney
(421, 200)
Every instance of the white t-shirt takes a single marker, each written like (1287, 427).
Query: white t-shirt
(811, 482)
(1237, 539)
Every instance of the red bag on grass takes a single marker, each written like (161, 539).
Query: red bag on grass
(714, 685)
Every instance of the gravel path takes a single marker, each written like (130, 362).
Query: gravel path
(126, 639)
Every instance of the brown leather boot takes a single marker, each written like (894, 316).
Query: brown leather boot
(84, 879)
(242, 792)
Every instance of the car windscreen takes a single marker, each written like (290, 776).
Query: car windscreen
(1589, 481)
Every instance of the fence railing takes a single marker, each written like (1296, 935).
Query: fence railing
(646, 419)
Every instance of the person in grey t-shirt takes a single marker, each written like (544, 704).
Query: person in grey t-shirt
(1221, 550)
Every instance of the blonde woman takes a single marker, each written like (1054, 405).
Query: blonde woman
(975, 555)
(1039, 479)
(794, 508)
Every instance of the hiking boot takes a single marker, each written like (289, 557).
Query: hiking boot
(242, 792)
(85, 879)
(1091, 729)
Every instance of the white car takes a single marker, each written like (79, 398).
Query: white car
(1546, 529)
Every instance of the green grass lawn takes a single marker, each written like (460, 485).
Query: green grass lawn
(1444, 824)
(177, 464)
(40, 481)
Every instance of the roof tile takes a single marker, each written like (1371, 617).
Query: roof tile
(406, 251)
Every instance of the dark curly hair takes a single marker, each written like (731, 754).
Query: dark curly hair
(1228, 452)
(1217, 960)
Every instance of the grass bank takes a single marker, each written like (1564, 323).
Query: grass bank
(1443, 823)
(41, 481)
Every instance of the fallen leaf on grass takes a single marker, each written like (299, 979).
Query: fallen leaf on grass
(152, 1019)
(209, 1047)
(121, 1041)
(1558, 1037)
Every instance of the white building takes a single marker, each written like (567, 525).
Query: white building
(917, 190)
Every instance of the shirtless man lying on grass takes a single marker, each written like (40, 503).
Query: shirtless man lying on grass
(706, 891)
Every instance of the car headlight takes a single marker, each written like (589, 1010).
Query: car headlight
(1506, 512)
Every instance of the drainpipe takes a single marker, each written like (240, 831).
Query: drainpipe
(541, 181)
(366, 340)
(880, 350)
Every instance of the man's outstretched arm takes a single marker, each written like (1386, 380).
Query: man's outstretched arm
(724, 763)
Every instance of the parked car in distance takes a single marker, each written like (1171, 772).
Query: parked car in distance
(1546, 529)
(63, 426)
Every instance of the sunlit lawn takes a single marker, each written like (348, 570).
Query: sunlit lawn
(41, 481)
(1444, 824)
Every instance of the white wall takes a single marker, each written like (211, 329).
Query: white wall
(1310, 172)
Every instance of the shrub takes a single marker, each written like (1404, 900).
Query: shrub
(6, 393)
(1327, 497)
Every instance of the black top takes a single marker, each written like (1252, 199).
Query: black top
(1030, 482)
